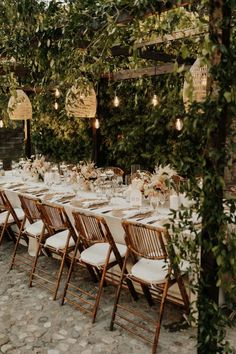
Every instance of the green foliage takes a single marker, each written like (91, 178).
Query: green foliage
(60, 43)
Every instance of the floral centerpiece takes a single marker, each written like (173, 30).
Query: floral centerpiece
(160, 181)
(139, 182)
(36, 168)
(87, 174)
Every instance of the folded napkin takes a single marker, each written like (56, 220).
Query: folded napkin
(94, 203)
(63, 198)
(155, 219)
(87, 203)
(50, 196)
(136, 213)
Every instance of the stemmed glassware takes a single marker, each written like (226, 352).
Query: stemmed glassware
(154, 203)
(162, 197)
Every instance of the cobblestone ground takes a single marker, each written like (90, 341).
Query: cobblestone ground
(30, 322)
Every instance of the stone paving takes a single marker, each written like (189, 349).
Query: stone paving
(30, 322)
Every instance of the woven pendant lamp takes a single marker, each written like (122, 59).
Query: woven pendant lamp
(81, 103)
(19, 106)
(195, 87)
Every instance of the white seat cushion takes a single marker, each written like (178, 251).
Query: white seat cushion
(34, 229)
(151, 271)
(3, 216)
(97, 253)
(19, 213)
(154, 271)
(58, 241)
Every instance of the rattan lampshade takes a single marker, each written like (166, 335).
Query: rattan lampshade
(19, 106)
(81, 103)
(195, 86)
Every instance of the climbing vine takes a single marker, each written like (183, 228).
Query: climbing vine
(56, 43)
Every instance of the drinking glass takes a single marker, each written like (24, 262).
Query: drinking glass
(154, 203)
(162, 197)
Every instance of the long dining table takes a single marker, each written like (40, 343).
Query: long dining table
(114, 211)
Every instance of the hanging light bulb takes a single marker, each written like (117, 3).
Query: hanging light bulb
(179, 124)
(116, 101)
(57, 93)
(96, 124)
(56, 105)
(1, 123)
(155, 100)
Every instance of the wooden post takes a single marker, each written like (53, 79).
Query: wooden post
(27, 139)
(208, 301)
(95, 142)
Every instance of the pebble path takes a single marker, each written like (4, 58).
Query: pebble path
(30, 322)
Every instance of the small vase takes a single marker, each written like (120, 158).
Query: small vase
(86, 186)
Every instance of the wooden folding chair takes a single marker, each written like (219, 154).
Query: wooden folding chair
(8, 217)
(58, 238)
(149, 249)
(99, 252)
(32, 226)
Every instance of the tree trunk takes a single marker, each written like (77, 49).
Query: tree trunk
(208, 326)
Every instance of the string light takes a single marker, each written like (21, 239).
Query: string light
(155, 100)
(56, 105)
(1, 123)
(96, 124)
(116, 101)
(57, 93)
(179, 124)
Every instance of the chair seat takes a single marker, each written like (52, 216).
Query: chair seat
(150, 271)
(19, 213)
(35, 229)
(97, 253)
(58, 241)
(154, 271)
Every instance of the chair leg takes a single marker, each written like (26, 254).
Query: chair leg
(70, 271)
(34, 264)
(17, 244)
(161, 312)
(59, 276)
(118, 292)
(183, 293)
(97, 301)
(147, 294)
(4, 227)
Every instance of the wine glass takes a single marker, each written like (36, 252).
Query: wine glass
(162, 197)
(154, 203)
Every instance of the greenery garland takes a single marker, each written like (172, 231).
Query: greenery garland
(60, 42)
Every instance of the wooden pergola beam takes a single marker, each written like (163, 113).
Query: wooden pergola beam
(161, 69)
(185, 33)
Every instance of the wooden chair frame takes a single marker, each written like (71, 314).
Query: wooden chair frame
(55, 220)
(149, 242)
(93, 229)
(10, 212)
(29, 205)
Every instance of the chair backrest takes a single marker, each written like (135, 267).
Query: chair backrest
(54, 217)
(29, 205)
(2, 204)
(8, 206)
(91, 228)
(146, 241)
(117, 170)
(141, 174)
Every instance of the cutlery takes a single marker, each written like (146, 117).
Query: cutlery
(106, 211)
(152, 222)
(144, 217)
